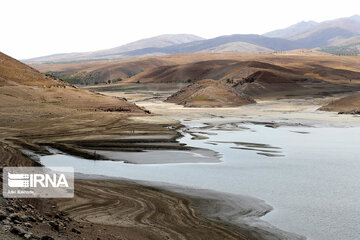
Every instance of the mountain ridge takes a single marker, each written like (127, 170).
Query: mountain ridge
(156, 41)
(303, 35)
(291, 30)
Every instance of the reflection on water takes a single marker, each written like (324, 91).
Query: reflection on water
(313, 186)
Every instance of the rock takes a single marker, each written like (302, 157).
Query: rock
(3, 215)
(48, 214)
(28, 225)
(17, 222)
(75, 231)
(6, 227)
(10, 209)
(6, 222)
(28, 236)
(47, 237)
(30, 206)
(54, 225)
(32, 219)
(18, 217)
(18, 230)
(16, 206)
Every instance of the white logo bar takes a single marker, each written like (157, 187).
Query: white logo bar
(38, 182)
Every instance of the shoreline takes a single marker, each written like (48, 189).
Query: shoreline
(198, 204)
(238, 213)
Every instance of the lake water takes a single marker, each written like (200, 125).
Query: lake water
(313, 181)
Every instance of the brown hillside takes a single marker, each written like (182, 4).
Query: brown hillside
(264, 82)
(209, 93)
(212, 69)
(229, 93)
(305, 65)
(23, 86)
(13, 72)
(349, 104)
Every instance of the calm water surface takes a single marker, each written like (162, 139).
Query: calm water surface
(314, 187)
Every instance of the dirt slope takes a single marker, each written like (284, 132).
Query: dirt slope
(263, 82)
(21, 86)
(13, 72)
(209, 93)
(307, 63)
(212, 69)
(349, 104)
(225, 93)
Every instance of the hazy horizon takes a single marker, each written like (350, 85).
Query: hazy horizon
(65, 26)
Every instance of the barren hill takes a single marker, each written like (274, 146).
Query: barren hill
(13, 72)
(212, 69)
(265, 82)
(295, 76)
(230, 92)
(22, 86)
(349, 104)
(210, 93)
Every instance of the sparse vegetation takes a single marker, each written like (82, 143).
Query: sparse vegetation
(93, 77)
(131, 74)
(229, 80)
(117, 80)
(348, 50)
(119, 88)
(73, 79)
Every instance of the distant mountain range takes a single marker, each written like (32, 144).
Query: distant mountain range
(292, 30)
(339, 36)
(116, 53)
